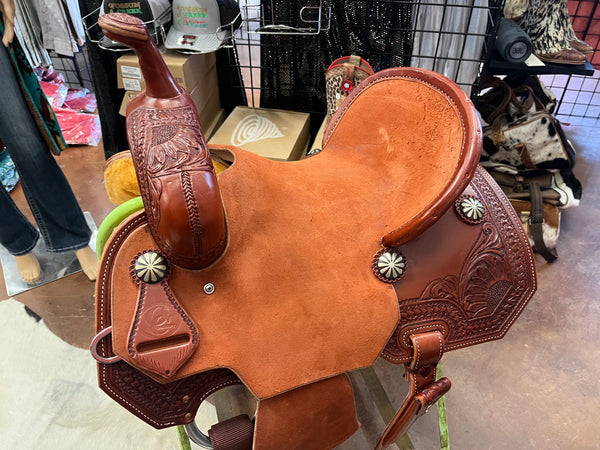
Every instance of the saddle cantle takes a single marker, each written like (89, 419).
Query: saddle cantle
(284, 276)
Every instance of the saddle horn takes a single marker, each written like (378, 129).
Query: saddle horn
(173, 165)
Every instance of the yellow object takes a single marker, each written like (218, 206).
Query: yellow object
(219, 166)
(121, 182)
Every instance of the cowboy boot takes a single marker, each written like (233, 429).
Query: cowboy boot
(547, 24)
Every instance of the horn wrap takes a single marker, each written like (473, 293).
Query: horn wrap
(172, 162)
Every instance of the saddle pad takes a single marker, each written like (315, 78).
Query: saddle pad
(295, 299)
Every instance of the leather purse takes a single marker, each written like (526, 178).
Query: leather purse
(521, 131)
(531, 141)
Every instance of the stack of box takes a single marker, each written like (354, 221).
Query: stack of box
(196, 73)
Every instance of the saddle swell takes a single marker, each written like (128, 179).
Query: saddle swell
(390, 238)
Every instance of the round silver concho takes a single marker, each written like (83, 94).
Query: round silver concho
(151, 267)
(470, 209)
(389, 265)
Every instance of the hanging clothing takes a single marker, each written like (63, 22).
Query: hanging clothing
(62, 28)
(29, 33)
(293, 67)
(472, 45)
(449, 38)
(53, 204)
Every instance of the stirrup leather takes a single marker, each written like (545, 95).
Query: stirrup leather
(424, 390)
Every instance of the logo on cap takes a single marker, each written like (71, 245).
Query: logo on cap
(192, 17)
(124, 7)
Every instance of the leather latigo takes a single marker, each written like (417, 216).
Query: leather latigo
(270, 275)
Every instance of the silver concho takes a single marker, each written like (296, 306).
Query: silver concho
(389, 265)
(470, 209)
(151, 267)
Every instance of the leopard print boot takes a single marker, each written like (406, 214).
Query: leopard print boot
(342, 76)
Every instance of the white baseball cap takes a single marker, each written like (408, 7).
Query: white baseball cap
(202, 26)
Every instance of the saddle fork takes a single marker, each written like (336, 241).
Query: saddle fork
(178, 183)
(424, 390)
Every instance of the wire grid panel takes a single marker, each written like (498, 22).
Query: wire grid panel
(247, 42)
(74, 68)
(451, 37)
(578, 96)
(454, 37)
(585, 17)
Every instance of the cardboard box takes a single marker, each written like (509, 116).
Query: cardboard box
(205, 96)
(217, 121)
(187, 70)
(129, 95)
(272, 133)
(318, 142)
(207, 101)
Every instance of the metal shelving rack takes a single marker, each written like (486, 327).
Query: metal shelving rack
(577, 88)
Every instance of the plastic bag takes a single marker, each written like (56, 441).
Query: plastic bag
(56, 93)
(79, 128)
(81, 100)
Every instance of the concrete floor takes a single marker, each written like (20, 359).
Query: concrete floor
(535, 389)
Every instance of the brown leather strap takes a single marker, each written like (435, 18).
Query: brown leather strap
(523, 98)
(424, 389)
(537, 221)
(233, 434)
(501, 107)
(525, 156)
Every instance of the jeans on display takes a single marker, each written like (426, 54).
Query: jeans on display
(48, 193)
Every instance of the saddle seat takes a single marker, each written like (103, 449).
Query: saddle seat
(295, 299)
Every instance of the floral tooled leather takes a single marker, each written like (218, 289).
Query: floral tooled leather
(175, 173)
